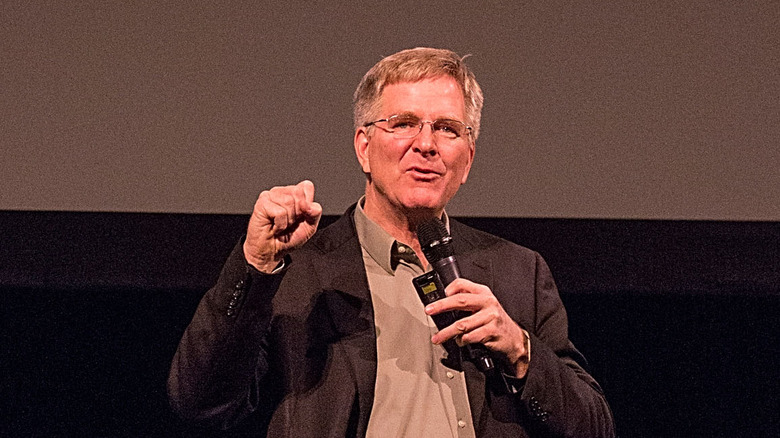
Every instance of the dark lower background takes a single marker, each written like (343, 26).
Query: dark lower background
(679, 319)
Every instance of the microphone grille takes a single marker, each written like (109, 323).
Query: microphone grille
(434, 240)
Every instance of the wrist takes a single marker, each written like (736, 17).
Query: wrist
(524, 358)
(266, 265)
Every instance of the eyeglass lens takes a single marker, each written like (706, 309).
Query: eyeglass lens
(409, 126)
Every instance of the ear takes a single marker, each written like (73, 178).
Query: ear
(468, 165)
(361, 148)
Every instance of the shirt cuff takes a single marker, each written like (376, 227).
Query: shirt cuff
(283, 265)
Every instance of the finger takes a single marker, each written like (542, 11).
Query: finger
(480, 335)
(454, 330)
(283, 206)
(487, 316)
(459, 301)
(265, 209)
(445, 335)
(475, 329)
(462, 285)
(479, 327)
(276, 215)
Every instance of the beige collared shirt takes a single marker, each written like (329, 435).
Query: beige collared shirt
(415, 394)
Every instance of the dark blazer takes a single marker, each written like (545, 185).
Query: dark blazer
(299, 349)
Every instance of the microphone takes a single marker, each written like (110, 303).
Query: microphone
(436, 244)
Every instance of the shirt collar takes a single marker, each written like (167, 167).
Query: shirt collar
(378, 243)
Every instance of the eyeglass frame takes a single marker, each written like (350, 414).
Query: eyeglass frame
(420, 123)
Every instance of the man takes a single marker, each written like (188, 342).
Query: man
(323, 334)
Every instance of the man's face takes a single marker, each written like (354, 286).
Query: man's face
(415, 176)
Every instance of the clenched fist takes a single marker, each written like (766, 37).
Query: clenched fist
(283, 219)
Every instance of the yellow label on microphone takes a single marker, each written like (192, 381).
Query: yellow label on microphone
(428, 288)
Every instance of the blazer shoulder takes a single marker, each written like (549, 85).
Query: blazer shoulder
(335, 236)
(469, 239)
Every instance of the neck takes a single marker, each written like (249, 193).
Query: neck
(401, 225)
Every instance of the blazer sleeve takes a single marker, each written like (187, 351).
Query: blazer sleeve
(217, 373)
(560, 398)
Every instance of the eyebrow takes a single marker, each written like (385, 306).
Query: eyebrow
(411, 114)
(406, 114)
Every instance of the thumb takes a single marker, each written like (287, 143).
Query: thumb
(308, 189)
(312, 209)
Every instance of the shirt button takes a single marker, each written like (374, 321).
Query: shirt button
(461, 424)
(450, 375)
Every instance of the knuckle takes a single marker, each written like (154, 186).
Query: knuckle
(275, 190)
(286, 198)
(263, 198)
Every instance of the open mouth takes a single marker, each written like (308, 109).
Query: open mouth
(423, 173)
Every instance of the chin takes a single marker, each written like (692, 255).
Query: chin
(430, 203)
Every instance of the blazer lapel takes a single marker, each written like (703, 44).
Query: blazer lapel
(478, 270)
(343, 278)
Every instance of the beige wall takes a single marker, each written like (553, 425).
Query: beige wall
(593, 109)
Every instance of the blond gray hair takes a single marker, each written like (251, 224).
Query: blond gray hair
(413, 65)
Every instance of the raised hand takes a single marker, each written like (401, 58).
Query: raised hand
(283, 219)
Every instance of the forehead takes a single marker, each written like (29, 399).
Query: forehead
(434, 97)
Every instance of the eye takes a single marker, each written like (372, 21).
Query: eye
(450, 128)
(402, 122)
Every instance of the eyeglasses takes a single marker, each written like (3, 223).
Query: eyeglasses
(409, 126)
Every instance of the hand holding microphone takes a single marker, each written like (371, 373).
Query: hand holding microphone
(474, 318)
(436, 245)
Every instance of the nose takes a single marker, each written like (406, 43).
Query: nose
(425, 141)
